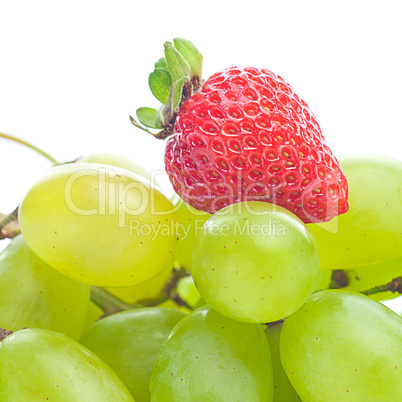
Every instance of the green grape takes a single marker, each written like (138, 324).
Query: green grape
(118, 161)
(188, 292)
(368, 277)
(151, 288)
(94, 312)
(99, 224)
(283, 390)
(129, 343)
(343, 346)
(36, 296)
(255, 262)
(370, 232)
(41, 365)
(148, 290)
(208, 357)
(191, 222)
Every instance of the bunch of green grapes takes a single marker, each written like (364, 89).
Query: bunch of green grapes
(101, 222)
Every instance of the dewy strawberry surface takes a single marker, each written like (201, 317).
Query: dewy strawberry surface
(246, 136)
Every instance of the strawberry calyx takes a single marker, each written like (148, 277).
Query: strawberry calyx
(176, 77)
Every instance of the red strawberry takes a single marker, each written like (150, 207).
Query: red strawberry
(247, 136)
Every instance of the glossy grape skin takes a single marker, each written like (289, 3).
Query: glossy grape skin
(148, 290)
(370, 232)
(40, 365)
(250, 277)
(370, 276)
(343, 346)
(283, 389)
(66, 222)
(34, 295)
(129, 343)
(208, 357)
(191, 221)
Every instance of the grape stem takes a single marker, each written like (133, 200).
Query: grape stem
(111, 304)
(4, 233)
(107, 302)
(339, 279)
(395, 286)
(27, 144)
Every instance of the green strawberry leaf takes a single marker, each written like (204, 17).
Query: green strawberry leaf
(177, 91)
(138, 125)
(173, 103)
(177, 66)
(190, 54)
(159, 82)
(176, 77)
(161, 63)
(147, 116)
(159, 121)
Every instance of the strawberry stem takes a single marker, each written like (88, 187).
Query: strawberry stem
(175, 78)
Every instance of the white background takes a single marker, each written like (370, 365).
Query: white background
(72, 71)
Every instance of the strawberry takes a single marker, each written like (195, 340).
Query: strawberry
(244, 135)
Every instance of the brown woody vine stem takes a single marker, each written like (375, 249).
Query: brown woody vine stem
(9, 232)
(339, 279)
(395, 286)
